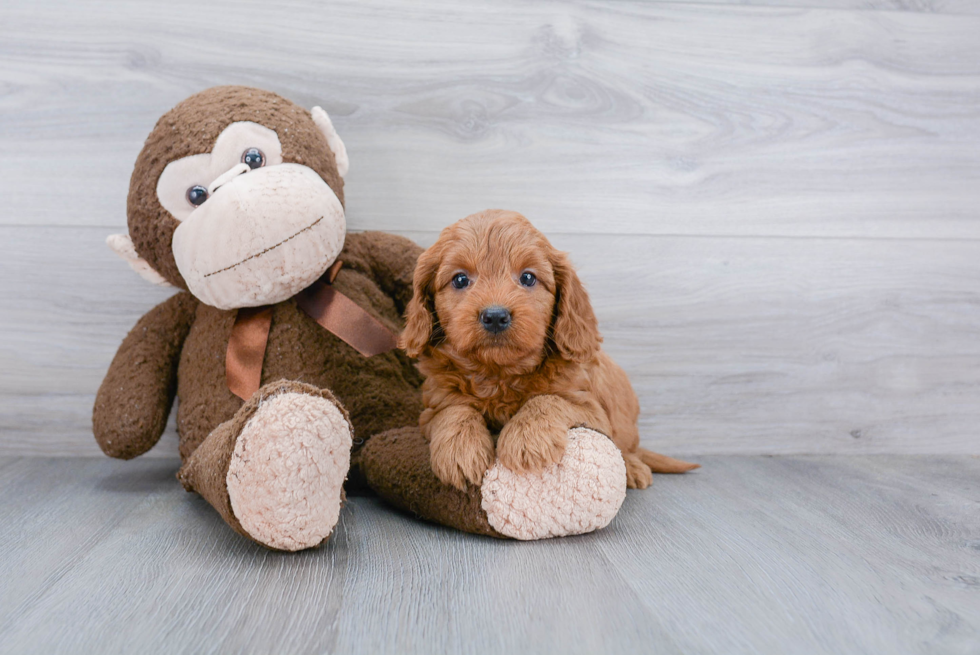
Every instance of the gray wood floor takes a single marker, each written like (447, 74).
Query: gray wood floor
(821, 554)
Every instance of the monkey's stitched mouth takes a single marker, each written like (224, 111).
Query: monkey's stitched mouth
(270, 248)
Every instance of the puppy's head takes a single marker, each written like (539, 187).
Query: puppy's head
(495, 291)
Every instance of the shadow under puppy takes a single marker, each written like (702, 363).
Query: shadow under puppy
(507, 339)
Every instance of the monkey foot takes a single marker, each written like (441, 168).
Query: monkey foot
(579, 494)
(275, 471)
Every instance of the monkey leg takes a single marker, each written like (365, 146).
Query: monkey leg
(275, 471)
(582, 493)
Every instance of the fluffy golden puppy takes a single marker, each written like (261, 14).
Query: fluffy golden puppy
(509, 344)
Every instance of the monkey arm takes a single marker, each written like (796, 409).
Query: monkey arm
(389, 259)
(133, 403)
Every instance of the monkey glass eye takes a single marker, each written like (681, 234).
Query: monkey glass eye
(527, 279)
(196, 195)
(254, 158)
(460, 281)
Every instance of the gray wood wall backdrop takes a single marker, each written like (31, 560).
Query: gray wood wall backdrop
(773, 203)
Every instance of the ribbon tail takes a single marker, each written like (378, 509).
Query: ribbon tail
(347, 320)
(246, 350)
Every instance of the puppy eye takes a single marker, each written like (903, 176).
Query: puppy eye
(527, 279)
(196, 195)
(460, 281)
(254, 158)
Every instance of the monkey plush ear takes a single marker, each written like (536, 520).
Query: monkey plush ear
(123, 246)
(333, 139)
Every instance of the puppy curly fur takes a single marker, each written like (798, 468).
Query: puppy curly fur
(531, 382)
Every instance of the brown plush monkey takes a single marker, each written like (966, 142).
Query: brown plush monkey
(280, 343)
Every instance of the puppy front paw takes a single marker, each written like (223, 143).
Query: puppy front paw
(530, 446)
(463, 456)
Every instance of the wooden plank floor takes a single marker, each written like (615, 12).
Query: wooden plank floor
(821, 554)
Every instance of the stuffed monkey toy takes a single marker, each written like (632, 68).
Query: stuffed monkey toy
(280, 342)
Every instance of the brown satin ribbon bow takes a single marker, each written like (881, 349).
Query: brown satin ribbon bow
(324, 304)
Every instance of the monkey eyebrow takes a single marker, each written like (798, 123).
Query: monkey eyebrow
(259, 254)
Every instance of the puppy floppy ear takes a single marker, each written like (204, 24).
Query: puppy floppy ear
(420, 312)
(575, 330)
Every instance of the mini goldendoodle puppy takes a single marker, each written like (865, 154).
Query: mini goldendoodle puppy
(508, 342)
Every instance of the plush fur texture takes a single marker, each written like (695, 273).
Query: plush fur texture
(582, 493)
(181, 346)
(395, 464)
(286, 474)
(122, 245)
(191, 128)
(276, 218)
(207, 470)
(531, 382)
(134, 400)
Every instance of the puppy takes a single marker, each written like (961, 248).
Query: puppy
(508, 342)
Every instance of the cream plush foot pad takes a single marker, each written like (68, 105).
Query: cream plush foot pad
(579, 494)
(287, 471)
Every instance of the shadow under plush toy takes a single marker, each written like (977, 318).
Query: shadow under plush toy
(281, 341)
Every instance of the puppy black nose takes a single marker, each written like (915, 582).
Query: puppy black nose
(495, 319)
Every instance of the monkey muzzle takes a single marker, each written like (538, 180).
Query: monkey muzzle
(261, 237)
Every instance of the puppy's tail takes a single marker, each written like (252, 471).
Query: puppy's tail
(662, 464)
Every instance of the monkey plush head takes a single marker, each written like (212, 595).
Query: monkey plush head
(238, 197)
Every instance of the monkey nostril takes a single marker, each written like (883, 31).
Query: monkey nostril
(495, 319)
